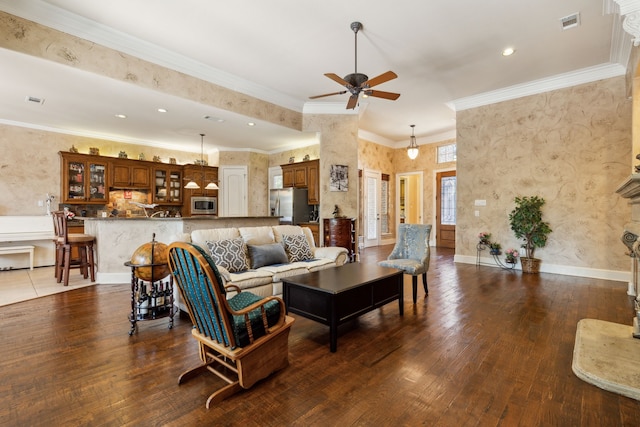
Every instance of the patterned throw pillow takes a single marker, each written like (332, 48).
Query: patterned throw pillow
(297, 247)
(230, 254)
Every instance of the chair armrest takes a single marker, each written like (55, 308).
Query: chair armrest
(232, 288)
(329, 252)
(260, 304)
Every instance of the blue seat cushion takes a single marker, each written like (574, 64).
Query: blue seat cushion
(245, 299)
(409, 266)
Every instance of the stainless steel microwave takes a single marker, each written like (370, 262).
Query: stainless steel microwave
(204, 206)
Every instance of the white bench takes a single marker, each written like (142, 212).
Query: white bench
(24, 229)
(6, 250)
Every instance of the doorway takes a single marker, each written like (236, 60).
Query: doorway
(234, 190)
(409, 198)
(372, 206)
(446, 209)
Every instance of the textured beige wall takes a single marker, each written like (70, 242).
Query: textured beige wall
(30, 164)
(571, 147)
(257, 178)
(338, 146)
(277, 159)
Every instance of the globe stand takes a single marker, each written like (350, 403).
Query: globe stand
(150, 300)
(151, 285)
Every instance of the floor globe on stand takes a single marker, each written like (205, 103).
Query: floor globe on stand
(151, 261)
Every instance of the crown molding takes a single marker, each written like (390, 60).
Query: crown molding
(560, 81)
(53, 17)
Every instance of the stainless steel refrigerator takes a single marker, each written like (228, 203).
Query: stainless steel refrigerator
(289, 203)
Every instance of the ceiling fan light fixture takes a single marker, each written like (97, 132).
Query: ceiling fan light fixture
(412, 149)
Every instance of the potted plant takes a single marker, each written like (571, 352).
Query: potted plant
(527, 224)
(494, 248)
(511, 256)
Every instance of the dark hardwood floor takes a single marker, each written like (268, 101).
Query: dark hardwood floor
(487, 347)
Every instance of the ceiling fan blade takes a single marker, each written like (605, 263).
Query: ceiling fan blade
(384, 77)
(338, 79)
(353, 101)
(381, 94)
(328, 94)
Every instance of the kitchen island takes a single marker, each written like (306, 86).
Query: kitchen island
(117, 238)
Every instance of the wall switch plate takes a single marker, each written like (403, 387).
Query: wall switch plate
(477, 213)
(480, 203)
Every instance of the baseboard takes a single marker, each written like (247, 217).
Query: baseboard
(546, 267)
(113, 278)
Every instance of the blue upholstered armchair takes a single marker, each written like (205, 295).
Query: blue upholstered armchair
(411, 254)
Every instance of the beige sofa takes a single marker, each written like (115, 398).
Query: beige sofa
(265, 280)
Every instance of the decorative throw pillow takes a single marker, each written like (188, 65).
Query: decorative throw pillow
(230, 254)
(272, 253)
(297, 247)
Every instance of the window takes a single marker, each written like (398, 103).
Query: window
(447, 153)
(384, 205)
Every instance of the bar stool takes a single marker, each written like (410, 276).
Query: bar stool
(65, 243)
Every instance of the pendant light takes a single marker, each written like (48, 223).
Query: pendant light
(412, 150)
(192, 185)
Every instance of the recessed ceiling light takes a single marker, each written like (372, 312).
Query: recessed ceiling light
(121, 116)
(214, 119)
(251, 124)
(162, 110)
(508, 51)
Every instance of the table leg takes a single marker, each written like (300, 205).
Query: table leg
(401, 295)
(333, 327)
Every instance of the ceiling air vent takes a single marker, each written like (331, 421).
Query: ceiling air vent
(570, 21)
(34, 100)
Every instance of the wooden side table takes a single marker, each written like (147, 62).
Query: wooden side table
(341, 232)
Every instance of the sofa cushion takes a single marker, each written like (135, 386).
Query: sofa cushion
(285, 270)
(230, 254)
(257, 235)
(250, 278)
(261, 255)
(200, 237)
(297, 247)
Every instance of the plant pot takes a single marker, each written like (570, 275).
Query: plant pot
(530, 265)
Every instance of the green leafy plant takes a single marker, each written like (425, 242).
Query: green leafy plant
(527, 224)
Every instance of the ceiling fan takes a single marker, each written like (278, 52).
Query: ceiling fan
(357, 83)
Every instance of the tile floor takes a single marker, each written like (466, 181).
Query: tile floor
(24, 284)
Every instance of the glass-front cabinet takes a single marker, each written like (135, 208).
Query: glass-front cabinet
(84, 179)
(167, 185)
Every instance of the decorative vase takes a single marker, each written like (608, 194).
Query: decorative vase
(530, 265)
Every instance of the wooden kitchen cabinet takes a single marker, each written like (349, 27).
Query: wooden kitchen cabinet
(167, 184)
(130, 174)
(303, 175)
(313, 182)
(341, 232)
(83, 179)
(202, 175)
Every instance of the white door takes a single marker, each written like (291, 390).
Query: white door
(234, 190)
(372, 205)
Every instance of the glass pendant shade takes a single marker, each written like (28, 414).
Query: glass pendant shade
(211, 186)
(412, 150)
(192, 185)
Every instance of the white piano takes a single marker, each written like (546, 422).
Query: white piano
(32, 235)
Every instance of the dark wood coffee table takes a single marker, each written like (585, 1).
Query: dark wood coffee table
(336, 295)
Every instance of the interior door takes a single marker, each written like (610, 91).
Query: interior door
(446, 184)
(234, 191)
(372, 205)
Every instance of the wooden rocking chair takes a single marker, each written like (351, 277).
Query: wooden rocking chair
(242, 339)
